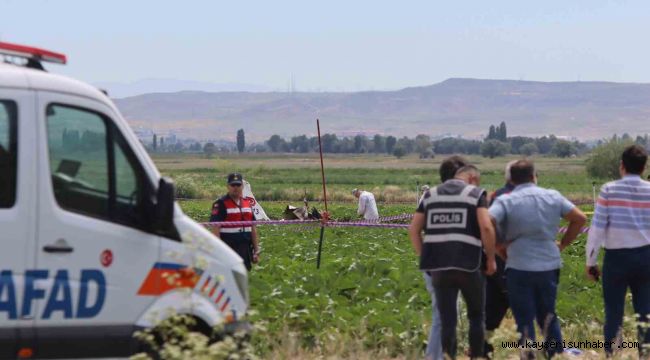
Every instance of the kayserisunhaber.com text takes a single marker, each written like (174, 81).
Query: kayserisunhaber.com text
(585, 344)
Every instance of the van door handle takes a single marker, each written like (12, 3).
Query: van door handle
(59, 246)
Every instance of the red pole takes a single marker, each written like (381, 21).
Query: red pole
(322, 168)
(322, 171)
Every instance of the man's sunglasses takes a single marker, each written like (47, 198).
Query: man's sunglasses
(234, 185)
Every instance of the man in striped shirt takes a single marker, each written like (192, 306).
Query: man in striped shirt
(621, 224)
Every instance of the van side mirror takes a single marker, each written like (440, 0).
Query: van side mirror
(164, 209)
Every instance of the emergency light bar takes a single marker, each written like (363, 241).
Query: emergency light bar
(32, 53)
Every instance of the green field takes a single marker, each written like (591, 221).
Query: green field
(290, 177)
(368, 299)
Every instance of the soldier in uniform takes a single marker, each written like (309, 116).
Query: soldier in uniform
(235, 207)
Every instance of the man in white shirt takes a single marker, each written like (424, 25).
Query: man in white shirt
(367, 204)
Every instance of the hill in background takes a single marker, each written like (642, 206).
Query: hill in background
(466, 107)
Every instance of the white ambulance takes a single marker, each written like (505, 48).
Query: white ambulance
(92, 245)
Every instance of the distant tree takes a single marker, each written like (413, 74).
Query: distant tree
(643, 141)
(407, 144)
(605, 159)
(70, 139)
(299, 144)
(178, 147)
(528, 149)
(379, 144)
(195, 147)
(313, 143)
(345, 146)
(563, 149)
(581, 148)
(545, 144)
(640, 140)
(209, 149)
(494, 148)
(503, 133)
(427, 154)
(155, 143)
(423, 145)
(91, 141)
(399, 151)
(492, 134)
(446, 146)
(471, 147)
(330, 143)
(391, 141)
(241, 141)
(456, 146)
(260, 148)
(516, 142)
(73, 138)
(276, 143)
(360, 144)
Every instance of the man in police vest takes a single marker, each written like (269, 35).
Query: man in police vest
(235, 207)
(457, 230)
(433, 350)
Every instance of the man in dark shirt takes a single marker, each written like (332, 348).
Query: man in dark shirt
(457, 229)
(496, 290)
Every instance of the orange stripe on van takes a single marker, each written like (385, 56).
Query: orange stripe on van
(164, 277)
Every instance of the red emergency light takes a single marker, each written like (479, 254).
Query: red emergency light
(32, 53)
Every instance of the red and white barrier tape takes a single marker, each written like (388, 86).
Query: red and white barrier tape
(368, 224)
(307, 222)
(259, 222)
(393, 218)
(381, 202)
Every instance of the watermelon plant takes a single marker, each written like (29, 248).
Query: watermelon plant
(369, 291)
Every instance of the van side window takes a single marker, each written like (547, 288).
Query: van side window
(8, 153)
(93, 170)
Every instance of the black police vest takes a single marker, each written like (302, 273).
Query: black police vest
(452, 237)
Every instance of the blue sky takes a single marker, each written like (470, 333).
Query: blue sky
(338, 45)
